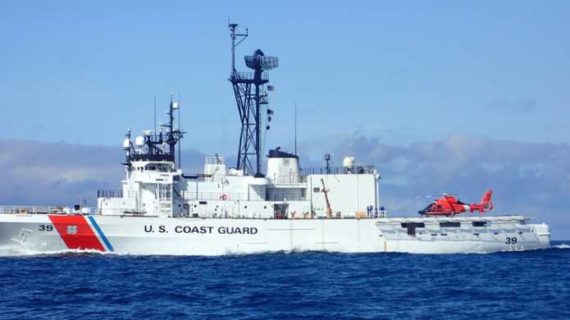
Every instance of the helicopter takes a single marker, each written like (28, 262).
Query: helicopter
(449, 205)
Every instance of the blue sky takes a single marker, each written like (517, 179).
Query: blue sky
(84, 71)
(443, 96)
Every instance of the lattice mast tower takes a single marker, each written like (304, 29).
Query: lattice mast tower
(251, 94)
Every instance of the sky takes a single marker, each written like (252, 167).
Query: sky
(442, 96)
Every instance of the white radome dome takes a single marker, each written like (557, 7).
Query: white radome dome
(139, 141)
(126, 144)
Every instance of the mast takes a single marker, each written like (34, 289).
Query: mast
(296, 128)
(235, 36)
(179, 127)
(152, 147)
(251, 99)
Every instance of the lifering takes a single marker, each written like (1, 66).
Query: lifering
(224, 197)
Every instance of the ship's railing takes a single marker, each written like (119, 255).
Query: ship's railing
(285, 197)
(26, 209)
(357, 169)
(42, 210)
(212, 196)
(109, 193)
(247, 76)
(288, 178)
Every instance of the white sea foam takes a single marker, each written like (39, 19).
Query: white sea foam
(562, 246)
(20, 252)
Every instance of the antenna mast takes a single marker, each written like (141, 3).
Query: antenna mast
(155, 133)
(173, 134)
(250, 95)
(235, 36)
(296, 128)
(179, 128)
(153, 147)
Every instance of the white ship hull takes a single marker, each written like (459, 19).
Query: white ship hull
(37, 233)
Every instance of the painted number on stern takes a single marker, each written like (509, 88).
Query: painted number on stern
(511, 240)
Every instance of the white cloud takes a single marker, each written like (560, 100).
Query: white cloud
(37, 173)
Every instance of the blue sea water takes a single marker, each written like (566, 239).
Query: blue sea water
(534, 285)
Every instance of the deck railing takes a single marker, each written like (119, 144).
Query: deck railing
(109, 193)
(42, 210)
(212, 196)
(357, 169)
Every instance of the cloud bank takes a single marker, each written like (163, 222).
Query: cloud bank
(39, 173)
(527, 178)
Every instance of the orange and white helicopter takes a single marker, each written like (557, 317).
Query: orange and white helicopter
(449, 205)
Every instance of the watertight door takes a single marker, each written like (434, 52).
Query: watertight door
(280, 210)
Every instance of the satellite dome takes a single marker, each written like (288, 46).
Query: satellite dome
(126, 143)
(139, 141)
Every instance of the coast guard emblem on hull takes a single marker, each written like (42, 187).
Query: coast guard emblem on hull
(72, 229)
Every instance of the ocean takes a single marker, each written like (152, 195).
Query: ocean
(532, 285)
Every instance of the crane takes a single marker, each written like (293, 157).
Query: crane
(325, 191)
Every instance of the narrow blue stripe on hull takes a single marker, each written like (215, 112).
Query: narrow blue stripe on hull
(101, 234)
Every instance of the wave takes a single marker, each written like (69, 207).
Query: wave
(12, 252)
(21, 252)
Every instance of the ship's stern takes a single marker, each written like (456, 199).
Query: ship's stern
(542, 231)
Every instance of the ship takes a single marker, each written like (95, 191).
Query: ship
(265, 203)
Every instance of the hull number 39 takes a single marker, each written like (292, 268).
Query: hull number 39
(45, 227)
(511, 240)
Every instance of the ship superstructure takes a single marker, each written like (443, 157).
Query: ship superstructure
(155, 187)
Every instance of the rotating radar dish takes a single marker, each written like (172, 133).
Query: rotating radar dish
(259, 61)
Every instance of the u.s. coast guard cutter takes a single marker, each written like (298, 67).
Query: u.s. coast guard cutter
(162, 211)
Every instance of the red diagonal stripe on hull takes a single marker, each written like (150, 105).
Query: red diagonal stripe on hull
(76, 232)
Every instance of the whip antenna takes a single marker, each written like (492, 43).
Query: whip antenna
(155, 116)
(296, 128)
(179, 144)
